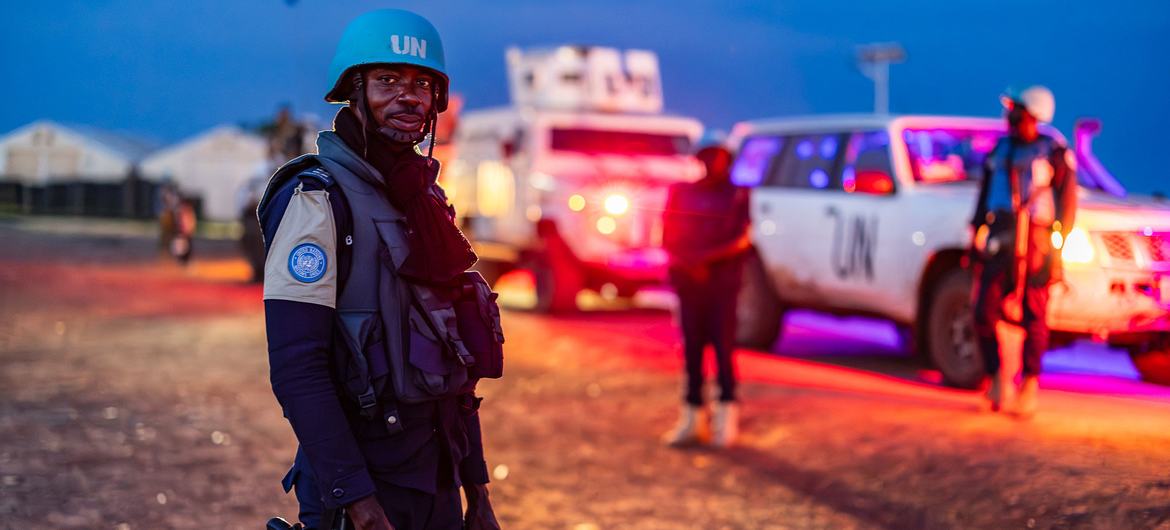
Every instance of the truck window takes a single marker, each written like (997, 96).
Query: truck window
(867, 151)
(596, 141)
(811, 161)
(948, 155)
(755, 160)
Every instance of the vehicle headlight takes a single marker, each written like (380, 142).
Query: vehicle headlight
(1077, 247)
(617, 204)
(606, 225)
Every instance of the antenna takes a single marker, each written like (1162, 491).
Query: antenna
(874, 60)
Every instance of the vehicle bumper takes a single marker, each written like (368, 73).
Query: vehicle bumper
(1104, 302)
(640, 266)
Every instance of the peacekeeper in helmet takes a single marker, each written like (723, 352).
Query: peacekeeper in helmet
(355, 237)
(706, 232)
(1026, 208)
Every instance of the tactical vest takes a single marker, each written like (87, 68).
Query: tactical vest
(1035, 172)
(394, 331)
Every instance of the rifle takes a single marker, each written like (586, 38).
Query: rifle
(330, 520)
(1013, 303)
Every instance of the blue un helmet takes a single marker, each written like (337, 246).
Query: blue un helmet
(387, 36)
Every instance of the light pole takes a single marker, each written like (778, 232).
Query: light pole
(874, 61)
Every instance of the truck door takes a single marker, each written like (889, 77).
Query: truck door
(795, 175)
(866, 233)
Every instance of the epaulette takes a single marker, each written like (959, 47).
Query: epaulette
(319, 174)
(299, 168)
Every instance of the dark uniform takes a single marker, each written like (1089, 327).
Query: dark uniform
(413, 461)
(1046, 183)
(702, 216)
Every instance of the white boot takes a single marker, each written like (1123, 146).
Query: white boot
(1026, 403)
(686, 431)
(725, 424)
(1001, 393)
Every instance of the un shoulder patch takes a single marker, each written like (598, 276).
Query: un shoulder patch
(307, 262)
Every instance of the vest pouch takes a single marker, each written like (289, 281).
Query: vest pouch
(362, 366)
(478, 319)
(422, 369)
(434, 370)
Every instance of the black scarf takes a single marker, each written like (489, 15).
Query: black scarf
(438, 250)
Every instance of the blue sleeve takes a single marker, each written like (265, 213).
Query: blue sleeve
(300, 337)
(980, 215)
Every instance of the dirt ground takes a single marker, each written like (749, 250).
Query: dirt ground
(134, 395)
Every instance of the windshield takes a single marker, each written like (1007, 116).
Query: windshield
(956, 155)
(948, 155)
(598, 141)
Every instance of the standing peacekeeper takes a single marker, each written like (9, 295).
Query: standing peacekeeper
(1029, 179)
(362, 251)
(705, 231)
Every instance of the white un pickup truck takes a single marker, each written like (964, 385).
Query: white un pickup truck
(868, 215)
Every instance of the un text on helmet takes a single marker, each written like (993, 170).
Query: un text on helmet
(408, 45)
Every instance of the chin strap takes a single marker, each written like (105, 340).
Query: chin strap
(360, 87)
(432, 125)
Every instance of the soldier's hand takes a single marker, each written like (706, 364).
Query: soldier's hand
(367, 514)
(480, 515)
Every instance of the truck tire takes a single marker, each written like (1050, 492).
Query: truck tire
(555, 270)
(1152, 360)
(949, 331)
(759, 312)
(557, 283)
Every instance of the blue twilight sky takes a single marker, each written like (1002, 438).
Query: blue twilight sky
(169, 69)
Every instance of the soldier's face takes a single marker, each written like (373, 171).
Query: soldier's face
(400, 97)
(1022, 124)
(717, 162)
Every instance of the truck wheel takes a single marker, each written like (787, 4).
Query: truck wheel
(759, 312)
(557, 284)
(950, 331)
(1152, 360)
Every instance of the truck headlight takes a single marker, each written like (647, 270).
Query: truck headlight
(617, 204)
(606, 225)
(576, 203)
(1077, 248)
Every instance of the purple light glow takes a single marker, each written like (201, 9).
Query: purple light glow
(849, 179)
(818, 179)
(804, 150)
(829, 147)
(753, 160)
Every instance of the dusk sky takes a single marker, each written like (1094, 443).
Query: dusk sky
(168, 70)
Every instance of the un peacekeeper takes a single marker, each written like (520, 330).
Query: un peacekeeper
(705, 231)
(1032, 174)
(348, 232)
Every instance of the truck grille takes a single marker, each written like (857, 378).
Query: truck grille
(1154, 248)
(1158, 245)
(1117, 244)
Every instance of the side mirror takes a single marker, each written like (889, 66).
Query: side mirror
(873, 182)
(1090, 126)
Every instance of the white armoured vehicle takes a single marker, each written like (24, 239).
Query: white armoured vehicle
(570, 179)
(868, 215)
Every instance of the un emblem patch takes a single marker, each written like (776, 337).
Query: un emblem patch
(307, 262)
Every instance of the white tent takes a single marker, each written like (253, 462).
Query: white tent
(43, 152)
(215, 165)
